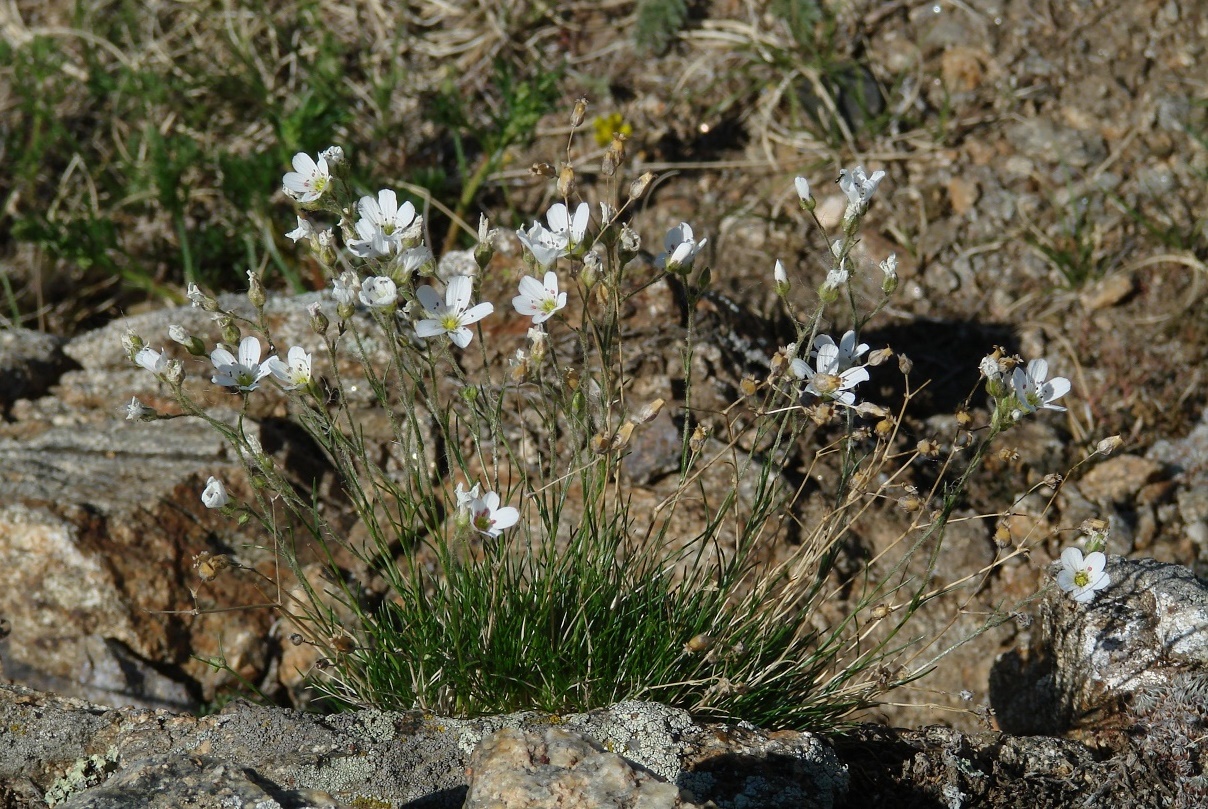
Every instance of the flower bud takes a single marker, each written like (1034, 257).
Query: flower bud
(639, 186)
(485, 249)
(827, 293)
(928, 447)
(890, 267)
(699, 436)
(1109, 445)
(190, 341)
(614, 155)
(318, 320)
(629, 244)
(175, 373)
(519, 367)
(593, 265)
(781, 277)
(621, 439)
(215, 494)
(879, 356)
(132, 343)
(803, 194)
(905, 364)
(566, 181)
(230, 331)
(255, 290)
(648, 413)
(578, 113)
(201, 299)
(537, 344)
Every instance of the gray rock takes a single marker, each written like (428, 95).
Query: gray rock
(167, 782)
(516, 769)
(30, 362)
(1146, 630)
(70, 749)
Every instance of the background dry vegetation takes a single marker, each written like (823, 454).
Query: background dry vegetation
(1047, 172)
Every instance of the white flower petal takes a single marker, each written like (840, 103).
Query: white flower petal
(457, 294)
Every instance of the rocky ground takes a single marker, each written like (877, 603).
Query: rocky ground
(1046, 192)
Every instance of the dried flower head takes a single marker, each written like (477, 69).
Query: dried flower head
(207, 566)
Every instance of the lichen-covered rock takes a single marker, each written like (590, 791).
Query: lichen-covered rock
(67, 748)
(1140, 634)
(200, 782)
(515, 769)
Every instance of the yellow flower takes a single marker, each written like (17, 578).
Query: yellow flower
(605, 126)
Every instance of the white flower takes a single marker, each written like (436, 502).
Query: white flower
(830, 381)
(681, 249)
(451, 315)
(539, 301)
(243, 373)
(154, 361)
(846, 354)
(1082, 577)
(803, 191)
(334, 155)
(836, 277)
(486, 517)
(345, 288)
(1033, 392)
(415, 260)
(304, 230)
(382, 224)
(561, 223)
(379, 292)
(464, 497)
(215, 494)
(990, 367)
(545, 245)
(137, 411)
(294, 374)
(372, 241)
(859, 189)
(308, 180)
